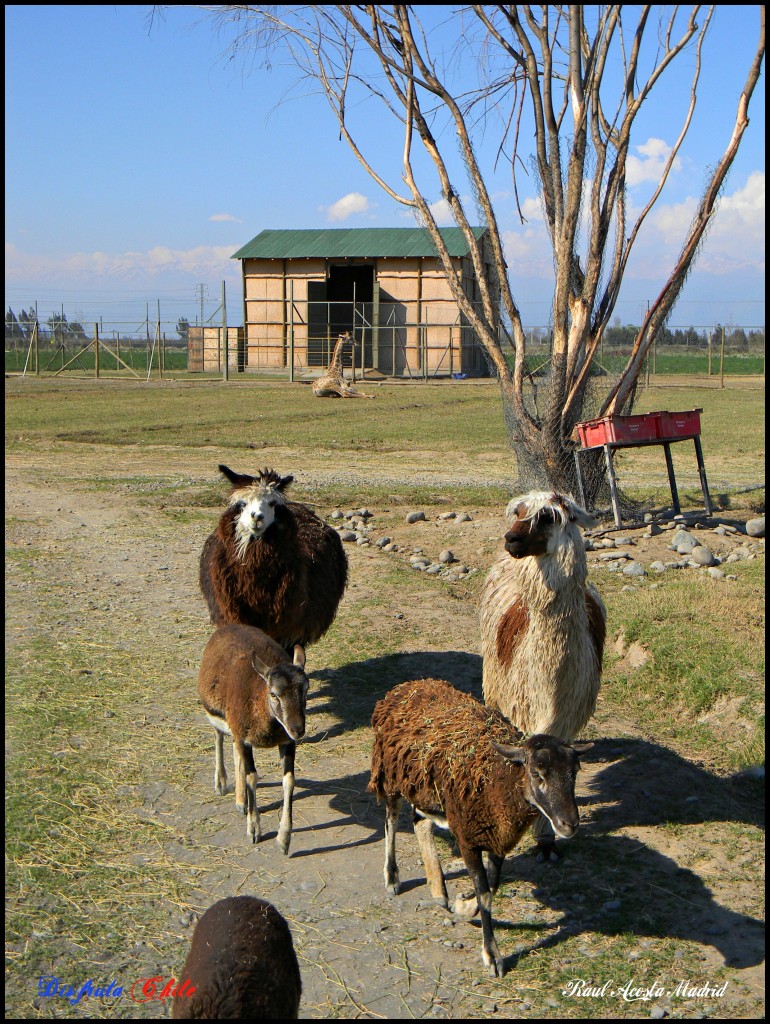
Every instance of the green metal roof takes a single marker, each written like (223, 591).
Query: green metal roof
(341, 243)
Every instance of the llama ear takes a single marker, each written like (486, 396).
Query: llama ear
(579, 515)
(518, 755)
(283, 483)
(236, 479)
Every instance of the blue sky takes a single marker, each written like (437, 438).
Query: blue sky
(139, 159)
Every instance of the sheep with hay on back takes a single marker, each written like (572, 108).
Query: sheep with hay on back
(272, 563)
(543, 624)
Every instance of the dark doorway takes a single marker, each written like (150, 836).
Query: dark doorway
(333, 305)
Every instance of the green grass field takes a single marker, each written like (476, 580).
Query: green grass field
(108, 839)
(52, 361)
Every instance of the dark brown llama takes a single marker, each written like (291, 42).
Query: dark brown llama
(272, 563)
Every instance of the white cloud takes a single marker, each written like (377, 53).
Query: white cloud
(224, 217)
(532, 209)
(528, 254)
(442, 213)
(161, 264)
(654, 153)
(347, 206)
(735, 240)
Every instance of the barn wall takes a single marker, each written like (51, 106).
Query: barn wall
(205, 351)
(420, 329)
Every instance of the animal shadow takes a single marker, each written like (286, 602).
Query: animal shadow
(636, 782)
(350, 692)
(617, 885)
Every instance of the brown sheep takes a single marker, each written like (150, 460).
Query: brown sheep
(543, 626)
(452, 759)
(251, 691)
(241, 965)
(272, 563)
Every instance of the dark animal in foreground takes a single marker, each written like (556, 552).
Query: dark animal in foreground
(272, 563)
(241, 964)
(253, 692)
(452, 758)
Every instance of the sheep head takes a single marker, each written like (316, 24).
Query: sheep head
(550, 767)
(287, 687)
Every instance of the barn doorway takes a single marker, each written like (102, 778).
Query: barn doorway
(336, 306)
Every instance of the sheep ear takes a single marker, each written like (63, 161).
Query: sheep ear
(518, 755)
(236, 479)
(581, 748)
(260, 667)
(299, 655)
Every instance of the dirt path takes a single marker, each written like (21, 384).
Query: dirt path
(362, 953)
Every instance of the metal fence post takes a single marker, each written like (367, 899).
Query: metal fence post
(224, 339)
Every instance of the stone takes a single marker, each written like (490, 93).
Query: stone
(634, 569)
(337, 514)
(658, 566)
(738, 555)
(716, 574)
(447, 515)
(702, 556)
(415, 517)
(756, 527)
(383, 541)
(347, 535)
(447, 556)
(464, 517)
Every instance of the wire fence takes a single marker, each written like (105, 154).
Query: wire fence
(299, 343)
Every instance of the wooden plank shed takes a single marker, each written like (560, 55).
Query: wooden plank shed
(301, 289)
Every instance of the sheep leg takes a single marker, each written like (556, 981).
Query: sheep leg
(220, 775)
(546, 840)
(392, 880)
(467, 906)
(286, 751)
(246, 773)
(423, 829)
(490, 952)
(240, 780)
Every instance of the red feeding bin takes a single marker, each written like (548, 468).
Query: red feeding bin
(619, 430)
(650, 426)
(680, 424)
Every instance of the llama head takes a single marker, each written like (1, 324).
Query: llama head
(543, 521)
(255, 501)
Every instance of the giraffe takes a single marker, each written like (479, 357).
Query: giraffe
(332, 384)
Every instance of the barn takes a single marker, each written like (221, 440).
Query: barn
(302, 288)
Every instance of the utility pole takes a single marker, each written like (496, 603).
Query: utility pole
(200, 295)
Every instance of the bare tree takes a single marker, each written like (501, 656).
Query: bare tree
(563, 61)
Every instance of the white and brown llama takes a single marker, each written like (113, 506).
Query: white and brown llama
(543, 626)
(272, 563)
